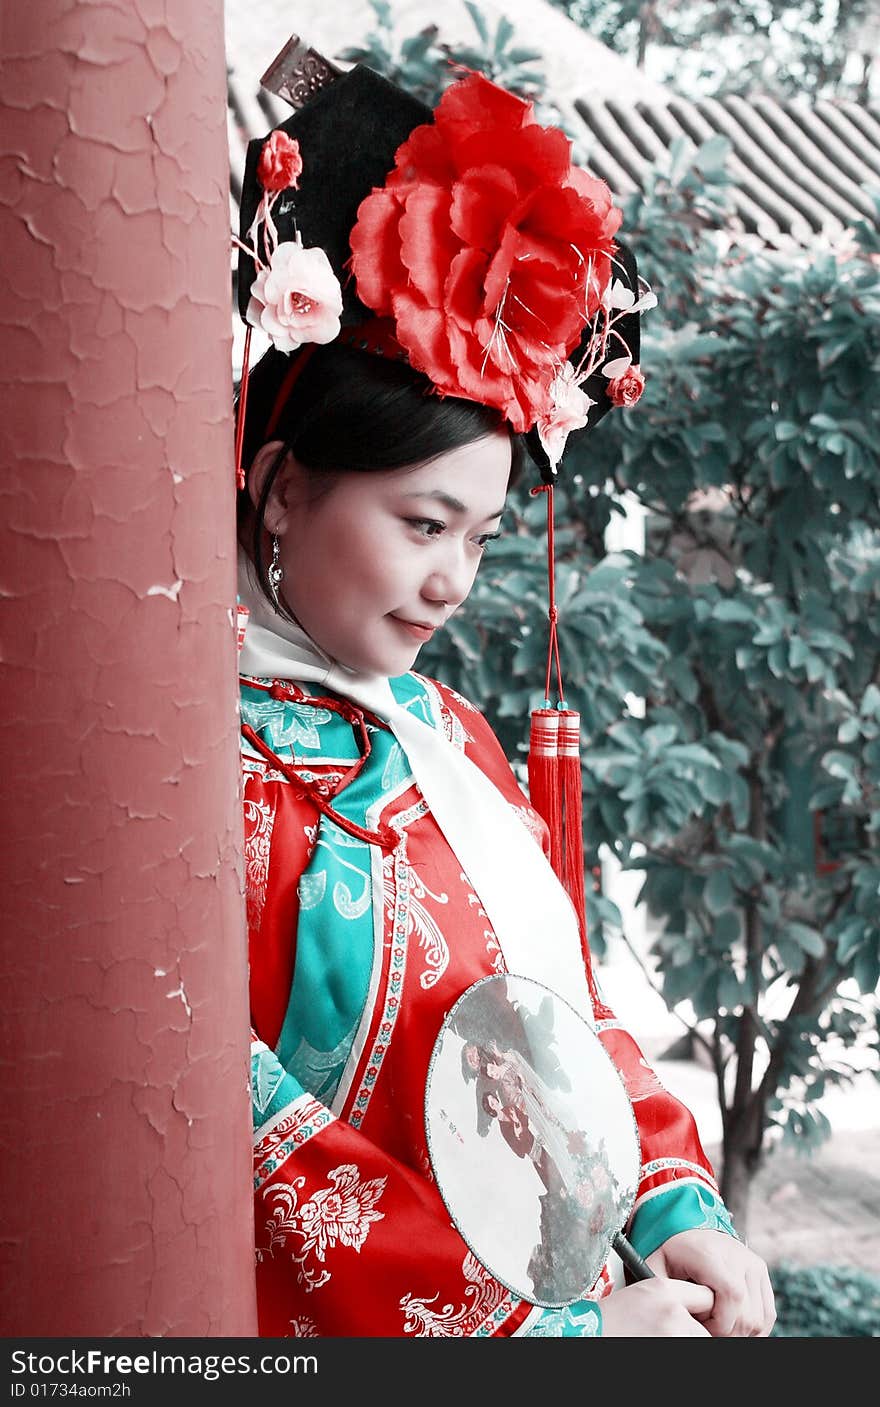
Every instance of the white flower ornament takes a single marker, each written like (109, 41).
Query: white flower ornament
(296, 298)
(570, 407)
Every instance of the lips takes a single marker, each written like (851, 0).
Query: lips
(417, 629)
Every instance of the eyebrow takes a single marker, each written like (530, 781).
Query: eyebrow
(448, 501)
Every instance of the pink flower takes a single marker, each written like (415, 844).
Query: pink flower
(585, 1194)
(280, 163)
(598, 1220)
(569, 409)
(625, 382)
(600, 1177)
(297, 298)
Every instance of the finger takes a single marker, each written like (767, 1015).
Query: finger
(756, 1323)
(727, 1307)
(758, 1313)
(749, 1322)
(768, 1305)
(657, 1262)
(698, 1300)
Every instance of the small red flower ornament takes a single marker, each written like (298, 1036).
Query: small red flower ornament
(625, 382)
(489, 250)
(280, 165)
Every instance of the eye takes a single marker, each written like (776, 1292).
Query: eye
(427, 527)
(485, 538)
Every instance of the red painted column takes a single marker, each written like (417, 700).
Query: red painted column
(125, 1203)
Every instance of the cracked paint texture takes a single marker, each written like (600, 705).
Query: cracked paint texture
(125, 1193)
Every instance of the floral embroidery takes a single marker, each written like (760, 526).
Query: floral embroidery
(342, 1213)
(319, 1070)
(337, 1215)
(345, 902)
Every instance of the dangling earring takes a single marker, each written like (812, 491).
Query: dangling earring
(275, 573)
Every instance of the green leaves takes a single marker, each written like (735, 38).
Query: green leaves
(719, 893)
(424, 65)
(808, 939)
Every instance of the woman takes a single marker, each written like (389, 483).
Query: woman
(392, 859)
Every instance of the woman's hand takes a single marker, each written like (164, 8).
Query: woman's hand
(744, 1306)
(657, 1309)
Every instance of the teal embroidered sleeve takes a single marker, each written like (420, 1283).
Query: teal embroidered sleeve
(690, 1208)
(582, 1320)
(272, 1088)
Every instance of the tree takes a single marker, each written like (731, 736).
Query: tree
(425, 65)
(821, 48)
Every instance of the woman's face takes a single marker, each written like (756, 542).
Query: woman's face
(375, 562)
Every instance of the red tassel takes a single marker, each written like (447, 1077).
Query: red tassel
(544, 778)
(571, 803)
(554, 767)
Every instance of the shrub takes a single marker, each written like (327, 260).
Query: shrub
(826, 1302)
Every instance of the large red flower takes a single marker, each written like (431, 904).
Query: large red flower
(487, 248)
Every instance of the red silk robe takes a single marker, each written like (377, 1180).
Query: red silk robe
(352, 1236)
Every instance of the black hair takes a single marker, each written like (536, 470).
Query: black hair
(353, 410)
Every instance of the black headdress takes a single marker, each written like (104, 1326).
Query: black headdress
(350, 134)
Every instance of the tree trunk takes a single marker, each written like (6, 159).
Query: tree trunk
(741, 1157)
(735, 1185)
(647, 29)
(125, 1192)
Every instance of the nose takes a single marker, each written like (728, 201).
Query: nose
(451, 577)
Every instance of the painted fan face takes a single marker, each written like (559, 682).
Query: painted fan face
(532, 1138)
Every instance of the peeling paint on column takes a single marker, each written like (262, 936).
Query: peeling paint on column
(125, 1123)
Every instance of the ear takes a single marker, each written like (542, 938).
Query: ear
(285, 482)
